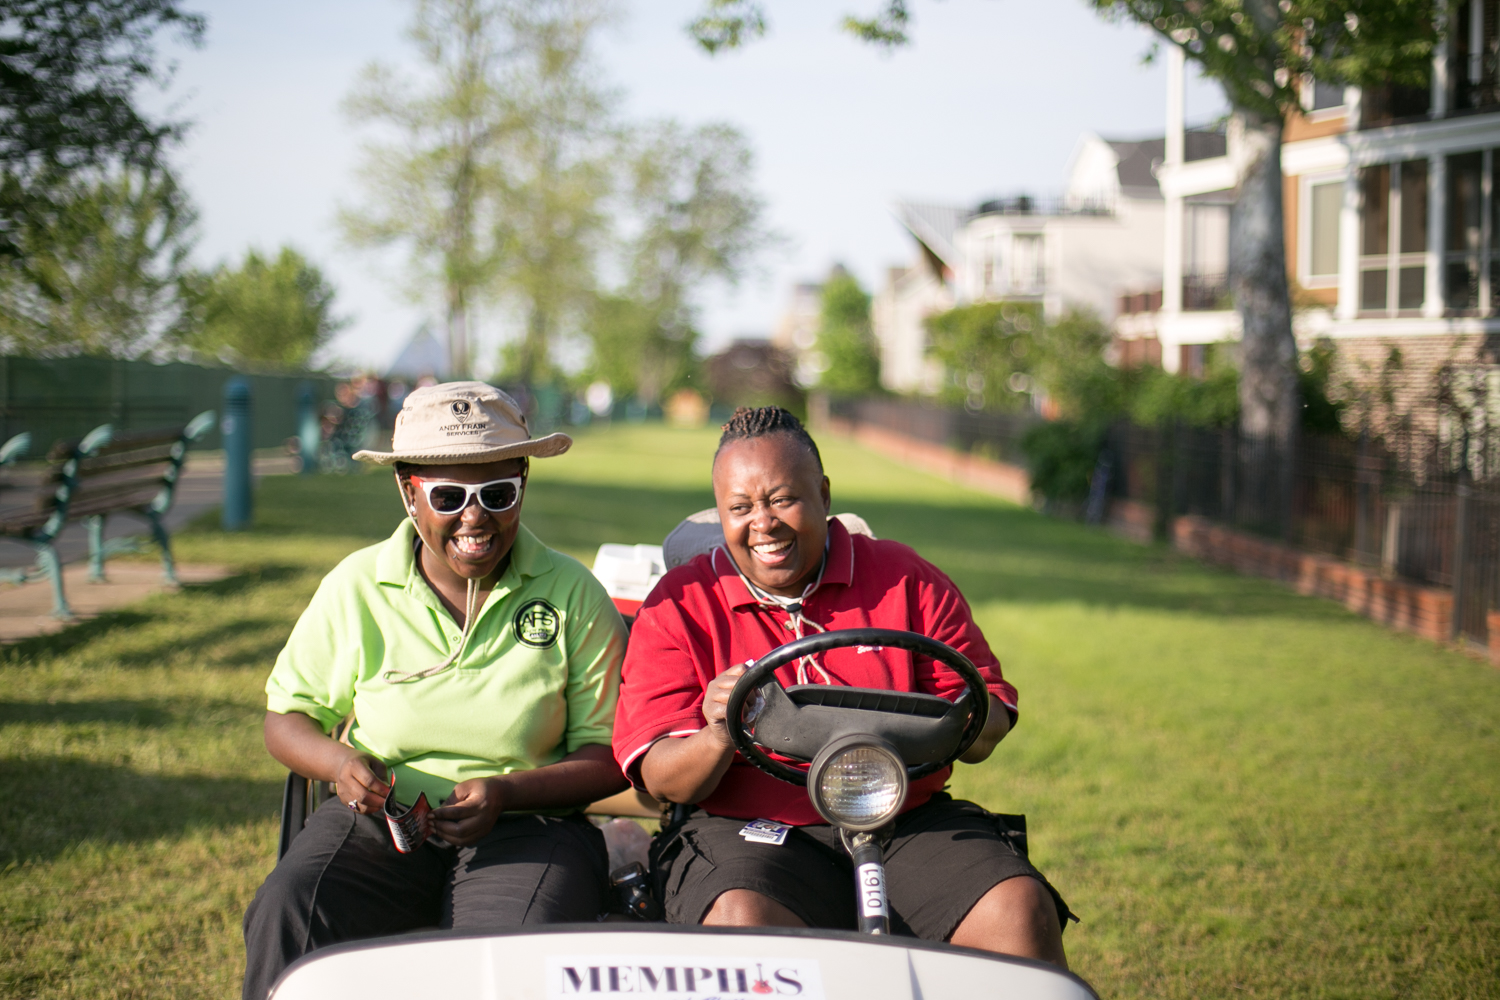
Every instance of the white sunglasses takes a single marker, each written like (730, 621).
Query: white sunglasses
(496, 496)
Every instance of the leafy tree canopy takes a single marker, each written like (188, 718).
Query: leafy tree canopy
(274, 311)
(693, 218)
(98, 268)
(988, 351)
(1260, 50)
(633, 351)
(728, 24)
(69, 70)
(846, 339)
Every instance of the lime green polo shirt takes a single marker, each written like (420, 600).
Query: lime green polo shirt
(537, 680)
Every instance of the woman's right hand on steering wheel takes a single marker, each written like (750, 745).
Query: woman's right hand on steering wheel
(716, 704)
(360, 785)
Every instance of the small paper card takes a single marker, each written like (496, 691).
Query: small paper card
(763, 831)
(409, 825)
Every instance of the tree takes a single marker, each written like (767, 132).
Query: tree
(67, 97)
(629, 350)
(491, 185)
(99, 270)
(845, 338)
(695, 219)
(550, 223)
(433, 188)
(1261, 51)
(988, 350)
(728, 24)
(277, 311)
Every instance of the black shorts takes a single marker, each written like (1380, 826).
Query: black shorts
(942, 858)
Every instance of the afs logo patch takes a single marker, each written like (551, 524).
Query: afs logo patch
(537, 624)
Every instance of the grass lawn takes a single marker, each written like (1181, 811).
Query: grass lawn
(1240, 790)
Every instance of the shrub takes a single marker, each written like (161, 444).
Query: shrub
(1062, 455)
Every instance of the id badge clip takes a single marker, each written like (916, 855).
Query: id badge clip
(764, 831)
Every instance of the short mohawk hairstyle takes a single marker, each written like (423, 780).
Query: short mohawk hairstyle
(759, 421)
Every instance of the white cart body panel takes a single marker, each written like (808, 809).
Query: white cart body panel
(616, 962)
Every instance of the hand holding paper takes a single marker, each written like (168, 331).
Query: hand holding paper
(410, 825)
(470, 812)
(361, 784)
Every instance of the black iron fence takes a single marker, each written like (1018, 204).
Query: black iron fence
(1423, 507)
(991, 435)
(1412, 508)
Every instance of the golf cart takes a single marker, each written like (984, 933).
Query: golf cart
(855, 750)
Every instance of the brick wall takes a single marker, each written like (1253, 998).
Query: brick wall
(999, 478)
(1410, 607)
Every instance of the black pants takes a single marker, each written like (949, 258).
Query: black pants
(943, 856)
(343, 881)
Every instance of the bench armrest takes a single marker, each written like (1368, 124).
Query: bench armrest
(12, 450)
(199, 425)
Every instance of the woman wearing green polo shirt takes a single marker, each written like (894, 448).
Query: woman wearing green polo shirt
(478, 668)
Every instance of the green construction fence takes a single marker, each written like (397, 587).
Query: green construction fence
(65, 398)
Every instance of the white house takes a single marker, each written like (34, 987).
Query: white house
(1392, 212)
(1102, 237)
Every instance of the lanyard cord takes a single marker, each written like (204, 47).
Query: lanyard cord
(471, 606)
(794, 607)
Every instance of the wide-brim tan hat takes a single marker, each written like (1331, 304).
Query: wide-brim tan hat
(463, 423)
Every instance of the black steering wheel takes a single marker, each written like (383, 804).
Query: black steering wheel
(929, 732)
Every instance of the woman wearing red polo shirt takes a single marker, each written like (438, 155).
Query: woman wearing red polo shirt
(954, 871)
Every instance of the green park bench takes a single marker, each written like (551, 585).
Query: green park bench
(104, 473)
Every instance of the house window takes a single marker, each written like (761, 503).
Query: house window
(1326, 95)
(1393, 238)
(990, 254)
(1471, 265)
(1205, 273)
(1324, 204)
(1026, 274)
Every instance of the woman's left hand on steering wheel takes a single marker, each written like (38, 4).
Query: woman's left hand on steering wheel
(470, 812)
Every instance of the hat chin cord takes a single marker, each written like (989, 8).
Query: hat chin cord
(795, 607)
(471, 606)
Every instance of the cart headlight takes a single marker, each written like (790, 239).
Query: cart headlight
(858, 783)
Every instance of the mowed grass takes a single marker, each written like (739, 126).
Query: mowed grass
(1241, 791)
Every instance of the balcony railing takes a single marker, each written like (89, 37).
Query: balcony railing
(1026, 204)
(1206, 292)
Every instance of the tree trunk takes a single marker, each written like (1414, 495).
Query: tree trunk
(458, 335)
(532, 362)
(1270, 400)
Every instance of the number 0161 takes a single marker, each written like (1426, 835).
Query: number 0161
(871, 879)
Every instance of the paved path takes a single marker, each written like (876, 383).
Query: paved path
(26, 611)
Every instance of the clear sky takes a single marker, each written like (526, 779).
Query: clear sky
(990, 99)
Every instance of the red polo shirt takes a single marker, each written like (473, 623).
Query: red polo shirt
(701, 620)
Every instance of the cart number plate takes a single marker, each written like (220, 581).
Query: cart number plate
(683, 977)
(871, 890)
